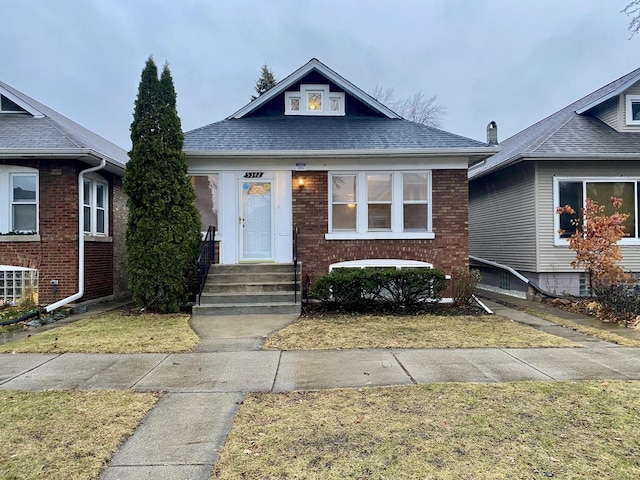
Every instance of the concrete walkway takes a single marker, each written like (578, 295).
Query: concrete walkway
(182, 436)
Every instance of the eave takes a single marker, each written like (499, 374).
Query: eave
(84, 154)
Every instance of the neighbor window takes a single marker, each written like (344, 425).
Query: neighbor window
(24, 202)
(574, 192)
(95, 201)
(379, 205)
(632, 107)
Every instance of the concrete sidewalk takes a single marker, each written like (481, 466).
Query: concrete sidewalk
(182, 436)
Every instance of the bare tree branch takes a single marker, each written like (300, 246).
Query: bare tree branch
(632, 10)
(417, 108)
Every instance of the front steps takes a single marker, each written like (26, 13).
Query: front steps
(248, 289)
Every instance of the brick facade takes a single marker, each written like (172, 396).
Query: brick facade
(55, 255)
(450, 225)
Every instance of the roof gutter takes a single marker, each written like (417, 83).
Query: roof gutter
(516, 274)
(80, 292)
(67, 153)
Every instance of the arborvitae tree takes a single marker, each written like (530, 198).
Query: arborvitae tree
(265, 82)
(163, 231)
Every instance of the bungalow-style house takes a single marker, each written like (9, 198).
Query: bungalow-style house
(589, 149)
(318, 156)
(63, 212)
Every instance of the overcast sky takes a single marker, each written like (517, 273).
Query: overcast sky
(512, 61)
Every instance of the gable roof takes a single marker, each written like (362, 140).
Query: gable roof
(569, 132)
(315, 65)
(249, 131)
(41, 130)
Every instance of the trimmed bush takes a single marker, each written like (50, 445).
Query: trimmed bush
(367, 289)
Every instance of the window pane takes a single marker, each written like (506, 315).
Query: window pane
(87, 192)
(380, 216)
(344, 217)
(314, 100)
(100, 221)
(570, 194)
(343, 188)
(24, 217)
(379, 187)
(602, 192)
(24, 188)
(415, 216)
(87, 219)
(635, 110)
(414, 187)
(99, 195)
(206, 189)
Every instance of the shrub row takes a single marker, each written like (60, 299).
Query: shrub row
(355, 289)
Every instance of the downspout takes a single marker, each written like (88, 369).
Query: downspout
(516, 274)
(80, 293)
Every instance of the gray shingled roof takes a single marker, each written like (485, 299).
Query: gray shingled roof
(567, 132)
(289, 133)
(23, 131)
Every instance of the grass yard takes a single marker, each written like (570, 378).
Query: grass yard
(446, 431)
(420, 331)
(65, 435)
(113, 332)
(602, 334)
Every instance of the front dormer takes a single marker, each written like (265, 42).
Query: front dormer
(619, 107)
(314, 99)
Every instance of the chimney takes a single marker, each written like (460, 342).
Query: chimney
(492, 133)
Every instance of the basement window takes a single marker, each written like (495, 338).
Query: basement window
(17, 283)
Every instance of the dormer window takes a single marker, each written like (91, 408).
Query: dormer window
(314, 100)
(633, 109)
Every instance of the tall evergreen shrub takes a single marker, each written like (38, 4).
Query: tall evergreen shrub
(163, 230)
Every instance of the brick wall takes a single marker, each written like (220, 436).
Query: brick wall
(55, 256)
(450, 224)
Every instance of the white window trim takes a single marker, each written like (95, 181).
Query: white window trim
(94, 181)
(564, 242)
(21, 173)
(327, 95)
(397, 205)
(629, 101)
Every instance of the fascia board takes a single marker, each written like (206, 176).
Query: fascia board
(615, 93)
(21, 103)
(66, 153)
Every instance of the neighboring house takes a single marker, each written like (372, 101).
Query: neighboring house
(589, 149)
(318, 155)
(61, 228)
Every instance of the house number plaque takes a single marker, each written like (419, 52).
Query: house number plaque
(253, 174)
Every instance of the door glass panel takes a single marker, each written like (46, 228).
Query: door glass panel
(256, 220)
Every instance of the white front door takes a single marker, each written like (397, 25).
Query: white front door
(255, 221)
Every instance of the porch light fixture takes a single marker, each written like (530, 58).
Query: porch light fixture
(300, 183)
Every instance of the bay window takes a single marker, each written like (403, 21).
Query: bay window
(575, 191)
(379, 205)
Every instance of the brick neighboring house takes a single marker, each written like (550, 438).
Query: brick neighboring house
(44, 158)
(317, 154)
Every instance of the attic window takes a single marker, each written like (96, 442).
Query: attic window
(9, 106)
(633, 109)
(314, 100)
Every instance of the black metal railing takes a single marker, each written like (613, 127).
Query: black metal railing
(206, 258)
(295, 264)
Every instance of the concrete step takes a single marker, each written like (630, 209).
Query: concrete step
(254, 268)
(255, 287)
(239, 297)
(280, 308)
(247, 278)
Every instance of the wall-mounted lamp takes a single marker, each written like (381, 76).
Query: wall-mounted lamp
(300, 183)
